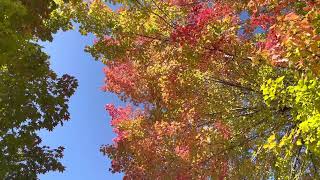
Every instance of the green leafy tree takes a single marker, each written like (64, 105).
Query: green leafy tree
(32, 96)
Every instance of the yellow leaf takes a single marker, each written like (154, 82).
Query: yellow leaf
(299, 142)
(271, 142)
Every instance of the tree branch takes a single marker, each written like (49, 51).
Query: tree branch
(232, 84)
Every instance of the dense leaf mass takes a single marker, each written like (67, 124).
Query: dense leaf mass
(32, 96)
(223, 96)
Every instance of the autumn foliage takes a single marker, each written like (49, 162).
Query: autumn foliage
(223, 95)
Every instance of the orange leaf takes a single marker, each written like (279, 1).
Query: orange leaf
(305, 25)
(316, 38)
(291, 17)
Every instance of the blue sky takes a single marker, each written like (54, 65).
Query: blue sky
(89, 126)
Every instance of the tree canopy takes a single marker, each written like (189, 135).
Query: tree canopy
(32, 96)
(215, 89)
